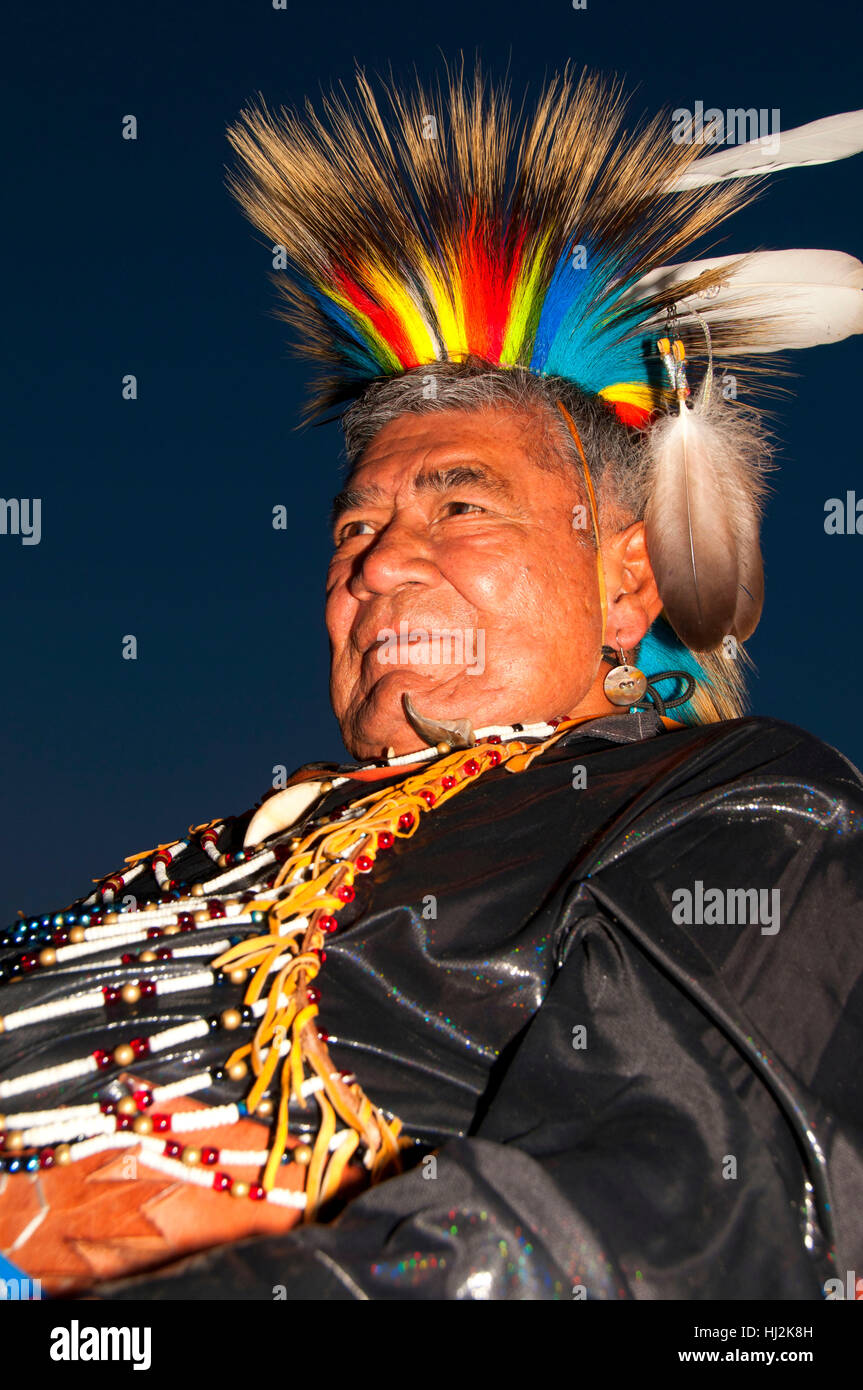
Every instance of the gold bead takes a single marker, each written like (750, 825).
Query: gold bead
(110, 919)
(302, 1153)
(149, 907)
(77, 935)
(238, 1071)
(231, 1019)
(127, 1106)
(62, 1155)
(143, 1125)
(265, 1109)
(2, 1122)
(239, 1189)
(197, 890)
(202, 916)
(148, 956)
(326, 787)
(222, 861)
(130, 994)
(443, 747)
(173, 930)
(14, 1141)
(2, 1026)
(123, 1055)
(48, 956)
(294, 843)
(239, 977)
(191, 1157)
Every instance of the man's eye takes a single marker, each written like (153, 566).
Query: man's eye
(468, 507)
(349, 530)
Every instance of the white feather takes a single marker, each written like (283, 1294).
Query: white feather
(702, 521)
(794, 299)
(819, 142)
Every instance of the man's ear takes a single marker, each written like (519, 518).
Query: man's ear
(633, 598)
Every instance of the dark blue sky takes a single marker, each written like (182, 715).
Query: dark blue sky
(156, 515)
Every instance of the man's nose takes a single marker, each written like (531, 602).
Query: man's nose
(400, 554)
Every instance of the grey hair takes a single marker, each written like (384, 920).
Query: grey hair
(616, 458)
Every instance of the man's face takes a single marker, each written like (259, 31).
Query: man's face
(449, 528)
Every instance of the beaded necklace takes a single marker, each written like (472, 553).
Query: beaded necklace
(275, 945)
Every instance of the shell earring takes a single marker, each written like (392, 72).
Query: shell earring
(624, 684)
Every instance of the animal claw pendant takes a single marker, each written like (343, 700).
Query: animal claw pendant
(457, 733)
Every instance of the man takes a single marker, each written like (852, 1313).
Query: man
(573, 980)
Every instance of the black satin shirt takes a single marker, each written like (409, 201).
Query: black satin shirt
(609, 1100)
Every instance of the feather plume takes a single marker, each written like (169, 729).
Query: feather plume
(459, 226)
(772, 300)
(707, 486)
(818, 142)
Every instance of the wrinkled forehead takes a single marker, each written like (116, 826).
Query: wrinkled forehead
(498, 452)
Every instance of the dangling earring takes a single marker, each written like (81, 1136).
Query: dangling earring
(625, 684)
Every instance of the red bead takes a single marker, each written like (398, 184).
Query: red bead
(222, 1182)
(428, 796)
(143, 1099)
(386, 840)
(161, 1123)
(346, 893)
(185, 920)
(322, 956)
(164, 952)
(282, 853)
(127, 958)
(209, 837)
(323, 1035)
(216, 909)
(60, 938)
(492, 738)
(46, 1158)
(209, 1157)
(471, 767)
(313, 994)
(95, 919)
(447, 783)
(364, 863)
(494, 758)
(107, 1107)
(147, 987)
(256, 1192)
(140, 1047)
(167, 887)
(102, 1059)
(152, 933)
(406, 821)
(172, 1149)
(28, 962)
(111, 994)
(123, 1121)
(328, 924)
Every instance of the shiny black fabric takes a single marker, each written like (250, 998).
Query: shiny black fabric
(606, 1103)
